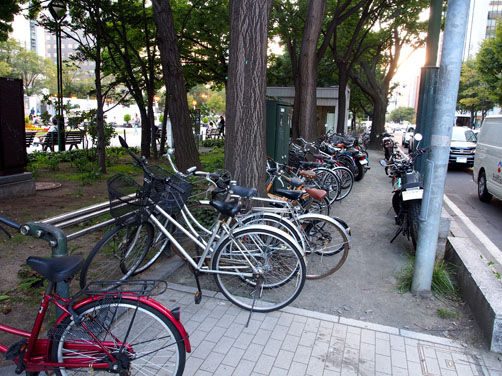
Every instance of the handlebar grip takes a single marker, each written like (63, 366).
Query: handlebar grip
(9, 223)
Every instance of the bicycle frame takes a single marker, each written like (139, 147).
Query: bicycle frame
(36, 354)
(207, 249)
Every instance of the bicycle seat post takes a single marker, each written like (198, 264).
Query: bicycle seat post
(58, 242)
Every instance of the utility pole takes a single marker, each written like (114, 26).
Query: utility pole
(428, 82)
(436, 165)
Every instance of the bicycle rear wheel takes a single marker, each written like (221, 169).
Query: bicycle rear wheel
(117, 255)
(259, 268)
(328, 181)
(327, 245)
(143, 340)
(346, 181)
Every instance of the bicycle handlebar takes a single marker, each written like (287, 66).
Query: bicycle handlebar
(8, 222)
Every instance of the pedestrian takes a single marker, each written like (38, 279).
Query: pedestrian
(221, 126)
(136, 124)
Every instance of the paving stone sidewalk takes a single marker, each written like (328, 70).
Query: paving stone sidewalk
(299, 342)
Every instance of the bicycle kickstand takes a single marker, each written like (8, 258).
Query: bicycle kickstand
(397, 233)
(198, 294)
(259, 283)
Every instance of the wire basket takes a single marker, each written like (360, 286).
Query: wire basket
(124, 194)
(177, 193)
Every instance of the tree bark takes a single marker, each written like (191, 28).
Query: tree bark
(101, 148)
(245, 127)
(186, 153)
(308, 64)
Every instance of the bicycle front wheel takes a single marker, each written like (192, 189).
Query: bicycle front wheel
(118, 254)
(327, 245)
(259, 268)
(140, 338)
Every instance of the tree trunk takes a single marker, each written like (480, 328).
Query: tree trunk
(164, 131)
(101, 148)
(343, 79)
(186, 153)
(245, 146)
(378, 123)
(308, 64)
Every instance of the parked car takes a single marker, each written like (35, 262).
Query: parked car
(407, 135)
(462, 147)
(487, 170)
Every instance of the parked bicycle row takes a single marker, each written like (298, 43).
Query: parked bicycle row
(259, 250)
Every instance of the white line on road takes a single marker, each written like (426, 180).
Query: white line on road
(490, 246)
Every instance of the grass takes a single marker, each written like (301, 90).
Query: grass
(447, 314)
(441, 281)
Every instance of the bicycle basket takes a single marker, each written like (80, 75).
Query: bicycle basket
(159, 177)
(178, 191)
(124, 194)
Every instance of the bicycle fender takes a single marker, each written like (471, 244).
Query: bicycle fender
(146, 300)
(329, 219)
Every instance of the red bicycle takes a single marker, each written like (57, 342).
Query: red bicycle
(124, 331)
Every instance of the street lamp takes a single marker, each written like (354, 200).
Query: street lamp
(194, 103)
(57, 8)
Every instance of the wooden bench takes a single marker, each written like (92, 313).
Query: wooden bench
(72, 138)
(30, 136)
(213, 133)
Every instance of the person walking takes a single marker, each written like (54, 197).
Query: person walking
(221, 126)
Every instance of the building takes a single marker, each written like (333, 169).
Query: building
(483, 18)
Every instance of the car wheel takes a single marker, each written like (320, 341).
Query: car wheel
(483, 193)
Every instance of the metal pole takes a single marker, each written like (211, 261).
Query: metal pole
(59, 106)
(437, 164)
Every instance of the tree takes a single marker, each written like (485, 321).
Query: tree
(17, 62)
(8, 8)
(402, 114)
(489, 64)
(399, 26)
(185, 151)
(474, 95)
(245, 123)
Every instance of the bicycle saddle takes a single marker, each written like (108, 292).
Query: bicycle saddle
(228, 209)
(243, 191)
(56, 269)
(291, 194)
(310, 164)
(316, 194)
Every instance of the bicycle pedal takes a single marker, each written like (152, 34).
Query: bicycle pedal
(16, 349)
(197, 297)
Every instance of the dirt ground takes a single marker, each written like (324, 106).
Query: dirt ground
(20, 310)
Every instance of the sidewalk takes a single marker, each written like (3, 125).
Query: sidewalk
(294, 341)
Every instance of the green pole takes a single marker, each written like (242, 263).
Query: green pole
(428, 82)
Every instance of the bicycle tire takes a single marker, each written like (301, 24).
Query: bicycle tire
(160, 245)
(117, 255)
(318, 207)
(152, 338)
(329, 182)
(281, 266)
(346, 181)
(276, 221)
(327, 245)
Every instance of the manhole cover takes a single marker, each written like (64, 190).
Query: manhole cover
(44, 186)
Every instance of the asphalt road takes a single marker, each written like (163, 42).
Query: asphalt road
(483, 221)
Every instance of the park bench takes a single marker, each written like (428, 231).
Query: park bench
(213, 133)
(72, 138)
(29, 137)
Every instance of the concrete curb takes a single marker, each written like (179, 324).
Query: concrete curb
(481, 290)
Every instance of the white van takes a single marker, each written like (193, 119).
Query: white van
(487, 170)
